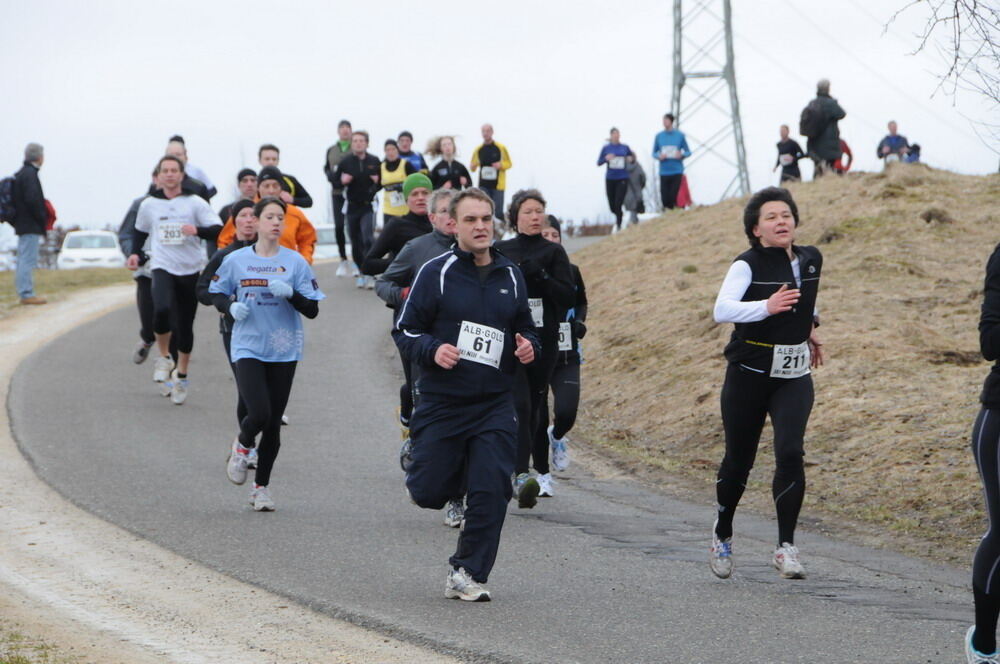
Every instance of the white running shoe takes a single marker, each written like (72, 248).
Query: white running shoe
(178, 389)
(162, 368)
(526, 491)
(260, 498)
(370, 283)
(786, 561)
(545, 484)
(359, 281)
(252, 458)
(454, 513)
(973, 656)
(461, 586)
(342, 269)
(141, 352)
(721, 559)
(560, 455)
(355, 272)
(284, 420)
(236, 467)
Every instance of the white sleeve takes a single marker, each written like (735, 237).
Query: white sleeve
(204, 216)
(729, 307)
(143, 217)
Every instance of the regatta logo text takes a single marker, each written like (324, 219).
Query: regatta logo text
(265, 269)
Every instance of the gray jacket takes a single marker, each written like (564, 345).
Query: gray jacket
(403, 269)
(334, 155)
(636, 183)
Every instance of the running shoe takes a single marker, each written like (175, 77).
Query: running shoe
(454, 513)
(178, 389)
(404, 424)
(284, 420)
(406, 455)
(526, 491)
(973, 656)
(141, 352)
(721, 559)
(359, 281)
(560, 455)
(355, 272)
(370, 283)
(236, 467)
(342, 269)
(786, 561)
(461, 586)
(260, 498)
(545, 484)
(162, 368)
(252, 458)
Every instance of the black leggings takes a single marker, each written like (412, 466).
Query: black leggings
(338, 225)
(361, 229)
(406, 390)
(747, 399)
(985, 565)
(565, 384)
(241, 406)
(175, 295)
(265, 387)
(144, 301)
(616, 190)
(669, 186)
(531, 392)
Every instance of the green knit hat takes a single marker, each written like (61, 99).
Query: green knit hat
(416, 181)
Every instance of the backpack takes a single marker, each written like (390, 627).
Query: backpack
(812, 122)
(7, 199)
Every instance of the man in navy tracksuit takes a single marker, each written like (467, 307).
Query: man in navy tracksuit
(467, 323)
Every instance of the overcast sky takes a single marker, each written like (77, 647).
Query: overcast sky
(103, 84)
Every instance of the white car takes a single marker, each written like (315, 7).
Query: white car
(326, 242)
(90, 249)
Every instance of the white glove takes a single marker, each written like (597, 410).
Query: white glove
(279, 288)
(239, 311)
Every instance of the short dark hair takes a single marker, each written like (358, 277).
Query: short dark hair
(168, 157)
(392, 142)
(264, 202)
(267, 146)
(472, 192)
(553, 222)
(344, 123)
(751, 213)
(669, 115)
(176, 138)
(404, 133)
(518, 200)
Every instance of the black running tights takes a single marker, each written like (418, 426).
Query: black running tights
(747, 399)
(985, 565)
(531, 392)
(616, 190)
(176, 294)
(565, 397)
(265, 387)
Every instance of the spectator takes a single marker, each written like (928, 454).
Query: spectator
(789, 153)
(841, 166)
(670, 148)
(195, 179)
(636, 184)
(292, 191)
(913, 156)
(614, 154)
(819, 123)
(30, 216)
(894, 146)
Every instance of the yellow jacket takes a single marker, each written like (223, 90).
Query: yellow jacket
(504, 160)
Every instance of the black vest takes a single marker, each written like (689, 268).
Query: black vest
(751, 343)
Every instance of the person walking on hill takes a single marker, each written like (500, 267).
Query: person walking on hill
(671, 149)
(493, 160)
(334, 154)
(634, 202)
(30, 216)
(614, 154)
(789, 153)
(819, 123)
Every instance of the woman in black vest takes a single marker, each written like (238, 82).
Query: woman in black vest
(770, 295)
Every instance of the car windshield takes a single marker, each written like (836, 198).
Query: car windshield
(90, 242)
(326, 236)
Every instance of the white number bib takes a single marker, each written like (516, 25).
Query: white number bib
(396, 199)
(537, 311)
(565, 337)
(891, 158)
(480, 343)
(170, 234)
(790, 361)
(669, 152)
(786, 159)
(617, 162)
(489, 173)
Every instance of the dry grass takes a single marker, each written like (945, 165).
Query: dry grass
(887, 447)
(55, 284)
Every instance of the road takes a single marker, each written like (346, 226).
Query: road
(607, 571)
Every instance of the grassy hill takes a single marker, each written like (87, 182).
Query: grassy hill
(887, 448)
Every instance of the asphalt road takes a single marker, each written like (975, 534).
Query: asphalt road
(604, 572)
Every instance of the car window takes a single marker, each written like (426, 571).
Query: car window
(90, 242)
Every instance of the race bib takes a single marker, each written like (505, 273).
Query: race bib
(396, 199)
(786, 159)
(489, 173)
(565, 337)
(170, 234)
(537, 311)
(891, 158)
(669, 152)
(480, 343)
(790, 361)
(617, 162)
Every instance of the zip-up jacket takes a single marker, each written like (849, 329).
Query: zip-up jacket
(298, 235)
(752, 344)
(989, 330)
(400, 273)
(361, 190)
(29, 202)
(448, 292)
(894, 143)
(334, 155)
(546, 271)
(392, 239)
(450, 171)
(205, 280)
(487, 154)
(300, 197)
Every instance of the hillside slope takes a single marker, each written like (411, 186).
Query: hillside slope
(888, 441)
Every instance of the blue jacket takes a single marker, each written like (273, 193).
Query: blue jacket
(674, 138)
(896, 144)
(446, 292)
(620, 150)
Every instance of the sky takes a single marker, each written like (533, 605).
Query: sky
(103, 84)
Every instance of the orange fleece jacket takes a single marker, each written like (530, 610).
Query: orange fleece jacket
(298, 235)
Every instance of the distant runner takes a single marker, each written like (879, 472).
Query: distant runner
(493, 160)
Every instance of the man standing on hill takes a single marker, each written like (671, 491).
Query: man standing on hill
(893, 144)
(495, 161)
(819, 123)
(671, 148)
(29, 222)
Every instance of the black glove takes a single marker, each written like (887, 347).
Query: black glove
(579, 329)
(531, 269)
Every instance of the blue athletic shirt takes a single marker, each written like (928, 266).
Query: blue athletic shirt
(273, 330)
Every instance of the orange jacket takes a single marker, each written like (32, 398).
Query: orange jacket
(298, 235)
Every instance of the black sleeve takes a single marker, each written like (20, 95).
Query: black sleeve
(374, 262)
(205, 279)
(305, 306)
(139, 240)
(221, 302)
(463, 171)
(302, 198)
(581, 296)
(34, 199)
(326, 168)
(436, 179)
(126, 232)
(410, 170)
(557, 279)
(210, 233)
(799, 154)
(989, 319)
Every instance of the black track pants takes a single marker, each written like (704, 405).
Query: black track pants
(986, 564)
(565, 397)
(175, 304)
(265, 387)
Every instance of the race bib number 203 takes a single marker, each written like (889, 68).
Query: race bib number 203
(480, 343)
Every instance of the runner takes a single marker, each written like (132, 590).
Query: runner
(614, 155)
(334, 154)
(980, 639)
(264, 287)
(292, 191)
(394, 170)
(551, 293)
(298, 234)
(467, 324)
(565, 382)
(143, 277)
(360, 173)
(195, 179)
(448, 172)
(789, 153)
(495, 162)
(415, 159)
(415, 191)
(770, 295)
(175, 221)
(671, 149)
(246, 182)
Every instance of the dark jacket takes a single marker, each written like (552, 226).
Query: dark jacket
(334, 155)
(392, 239)
(826, 146)
(989, 330)
(300, 197)
(205, 280)
(636, 183)
(198, 188)
(448, 292)
(400, 273)
(450, 172)
(576, 317)
(791, 147)
(361, 190)
(126, 232)
(29, 202)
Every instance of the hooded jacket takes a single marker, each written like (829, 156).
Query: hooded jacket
(826, 146)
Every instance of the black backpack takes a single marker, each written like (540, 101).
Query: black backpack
(812, 122)
(7, 199)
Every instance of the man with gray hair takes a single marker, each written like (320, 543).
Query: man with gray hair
(29, 220)
(819, 124)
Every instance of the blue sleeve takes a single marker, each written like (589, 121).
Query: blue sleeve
(656, 147)
(684, 146)
(412, 333)
(305, 281)
(224, 281)
(600, 157)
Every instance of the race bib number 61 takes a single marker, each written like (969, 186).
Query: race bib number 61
(480, 343)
